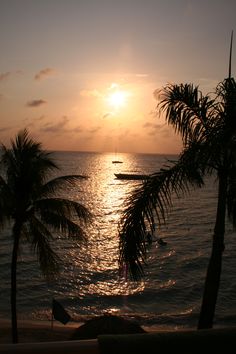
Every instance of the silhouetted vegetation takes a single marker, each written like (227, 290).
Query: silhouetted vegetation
(30, 201)
(208, 130)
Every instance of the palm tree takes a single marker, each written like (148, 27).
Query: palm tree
(29, 200)
(208, 130)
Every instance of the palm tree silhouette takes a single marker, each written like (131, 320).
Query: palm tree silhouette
(208, 130)
(29, 200)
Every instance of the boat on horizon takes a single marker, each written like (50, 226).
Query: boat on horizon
(131, 176)
(117, 161)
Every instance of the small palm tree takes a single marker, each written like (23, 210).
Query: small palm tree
(30, 201)
(208, 130)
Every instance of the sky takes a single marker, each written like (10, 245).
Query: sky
(80, 75)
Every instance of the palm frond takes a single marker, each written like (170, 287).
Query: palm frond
(26, 166)
(25, 149)
(63, 207)
(30, 200)
(60, 183)
(41, 239)
(153, 199)
(64, 226)
(226, 92)
(186, 109)
(64, 216)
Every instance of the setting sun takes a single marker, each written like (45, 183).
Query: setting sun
(117, 99)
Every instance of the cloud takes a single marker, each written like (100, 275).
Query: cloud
(153, 125)
(8, 74)
(58, 127)
(35, 103)
(94, 130)
(77, 129)
(154, 129)
(157, 94)
(90, 93)
(141, 75)
(107, 115)
(4, 129)
(44, 73)
(5, 76)
(40, 118)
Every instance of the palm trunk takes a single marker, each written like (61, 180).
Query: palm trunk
(16, 237)
(212, 281)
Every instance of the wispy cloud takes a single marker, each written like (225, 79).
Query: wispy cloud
(141, 75)
(5, 76)
(57, 127)
(40, 118)
(44, 73)
(94, 130)
(107, 115)
(154, 129)
(157, 94)
(90, 93)
(78, 129)
(4, 129)
(8, 74)
(153, 125)
(36, 103)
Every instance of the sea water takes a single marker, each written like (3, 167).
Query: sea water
(90, 284)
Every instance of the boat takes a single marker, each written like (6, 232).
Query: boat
(130, 176)
(117, 161)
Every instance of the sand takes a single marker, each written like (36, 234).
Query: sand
(42, 331)
(219, 340)
(32, 331)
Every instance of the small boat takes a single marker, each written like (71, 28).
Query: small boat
(117, 161)
(130, 176)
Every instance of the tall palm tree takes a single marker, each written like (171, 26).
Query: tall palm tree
(208, 130)
(30, 201)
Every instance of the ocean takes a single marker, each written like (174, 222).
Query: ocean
(89, 284)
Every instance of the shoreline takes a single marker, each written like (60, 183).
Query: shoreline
(31, 331)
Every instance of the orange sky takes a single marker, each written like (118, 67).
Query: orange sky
(61, 60)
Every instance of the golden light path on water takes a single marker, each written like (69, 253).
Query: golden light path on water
(93, 268)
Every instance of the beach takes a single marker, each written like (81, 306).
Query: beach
(43, 331)
(40, 338)
(37, 331)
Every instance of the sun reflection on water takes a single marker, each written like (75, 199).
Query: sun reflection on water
(93, 268)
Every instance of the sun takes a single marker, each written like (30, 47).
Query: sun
(117, 99)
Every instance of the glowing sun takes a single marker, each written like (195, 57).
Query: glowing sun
(117, 99)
